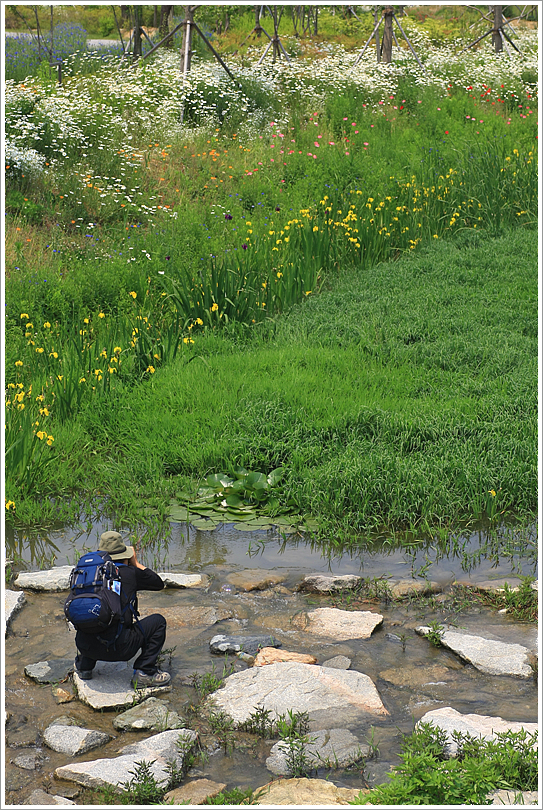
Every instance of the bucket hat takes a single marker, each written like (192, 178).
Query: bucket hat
(113, 543)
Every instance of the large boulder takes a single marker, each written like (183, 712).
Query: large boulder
(330, 697)
(477, 725)
(333, 748)
(341, 625)
(55, 579)
(487, 655)
(157, 750)
(298, 792)
(13, 601)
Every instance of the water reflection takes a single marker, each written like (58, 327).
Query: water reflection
(482, 553)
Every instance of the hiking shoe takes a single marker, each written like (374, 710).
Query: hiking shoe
(140, 679)
(84, 674)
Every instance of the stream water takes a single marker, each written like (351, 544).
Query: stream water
(38, 633)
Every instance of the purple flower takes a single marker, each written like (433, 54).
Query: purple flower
(228, 216)
(167, 258)
(277, 208)
(244, 247)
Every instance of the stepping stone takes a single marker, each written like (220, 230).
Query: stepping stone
(110, 687)
(13, 602)
(486, 655)
(28, 761)
(173, 580)
(341, 625)
(477, 725)
(255, 579)
(320, 583)
(335, 748)
(195, 792)
(50, 671)
(505, 798)
(269, 655)
(40, 797)
(151, 714)
(73, 740)
(55, 579)
(327, 695)
(416, 676)
(298, 792)
(221, 644)
(157, 750)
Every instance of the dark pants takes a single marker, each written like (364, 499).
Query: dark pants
(150, 640)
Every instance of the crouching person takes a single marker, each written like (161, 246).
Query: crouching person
(122, 642)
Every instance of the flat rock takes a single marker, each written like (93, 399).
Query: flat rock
(297, 792)
(173, 580)
(333, 748)
(338, 662)
(329, 696)
(405, 587)
(488, 656)
(269, 655)
(115, 771)
(40, 797)
(509, 797)
(55, 579)
(13, 602)
(110, 687)
(151, 714)
(73, 740)
(416, 676)
(477, 725)
(255, 579)
(50, 671)
(195, 616)
(221, 644)
(195, 792)
(322, 583)
(492, 585)
(340, 625)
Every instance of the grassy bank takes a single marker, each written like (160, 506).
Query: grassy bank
(324, 268)
(405, 396)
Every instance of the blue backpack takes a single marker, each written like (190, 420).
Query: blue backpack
(94, 603)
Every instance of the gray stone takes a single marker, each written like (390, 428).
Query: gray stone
(477, 725)
(28, 761)
(340, 625)
(221, 644)
(509, 797)
(110, 687)
(414, 677)
(50, 671)
(255, 579)
(173, 580)
(488, 656)
(16, 780)
(55, 579)
(326, 694)
(338, 662)
(322, 583)
(299, 792)
(157, 750)
(151, 714)
(40, 797)
(195, 616)
(73, 740)
(13, 601)
(333, 748)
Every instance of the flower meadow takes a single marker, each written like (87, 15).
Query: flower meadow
(147, 212)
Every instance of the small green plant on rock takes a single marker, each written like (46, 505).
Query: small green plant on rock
(435, 634)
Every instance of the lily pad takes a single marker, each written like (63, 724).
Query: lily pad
(219, 480)
(178, 514)
(247, 527)
(204, 525)
(275, 476)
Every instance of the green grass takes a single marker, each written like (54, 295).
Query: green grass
(401, 398)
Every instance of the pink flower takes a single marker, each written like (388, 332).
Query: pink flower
(366, 143)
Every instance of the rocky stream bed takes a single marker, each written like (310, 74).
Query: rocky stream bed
(363, 677)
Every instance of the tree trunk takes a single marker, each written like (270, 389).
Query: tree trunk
(496, 38)
(164, 27)
(137, 34)
(186, 58)
(125, 16)
(387, 35)
(377, 43)
(315, 21)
